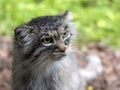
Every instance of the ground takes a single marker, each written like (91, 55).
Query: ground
(108, 80)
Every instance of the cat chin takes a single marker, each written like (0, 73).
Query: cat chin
(58, 56)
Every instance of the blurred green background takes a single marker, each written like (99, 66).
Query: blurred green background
(96, 20)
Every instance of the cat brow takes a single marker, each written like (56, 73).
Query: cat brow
(44, 34)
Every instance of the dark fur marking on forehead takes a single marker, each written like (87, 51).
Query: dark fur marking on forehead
(45, 20)
(46, 23)
(51, 33)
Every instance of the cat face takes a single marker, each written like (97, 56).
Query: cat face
(57, 41)
(48, 35)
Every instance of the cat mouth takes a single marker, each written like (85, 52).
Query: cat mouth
(59, 54)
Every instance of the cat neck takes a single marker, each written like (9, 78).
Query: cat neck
(57, 74)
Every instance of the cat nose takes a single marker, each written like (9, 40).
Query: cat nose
(62, 47)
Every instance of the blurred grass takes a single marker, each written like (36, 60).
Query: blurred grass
(97, 20)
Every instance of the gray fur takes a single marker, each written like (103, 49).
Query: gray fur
(34, 67)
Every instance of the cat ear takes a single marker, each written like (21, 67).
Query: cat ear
(67, 15)
(24, 34)
(68, 20)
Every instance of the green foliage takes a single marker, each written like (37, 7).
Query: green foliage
(97, 20)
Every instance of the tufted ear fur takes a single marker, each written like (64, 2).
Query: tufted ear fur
(67, 15)
(68, 20)
(24, 36)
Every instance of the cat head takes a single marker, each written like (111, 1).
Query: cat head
(51, 34)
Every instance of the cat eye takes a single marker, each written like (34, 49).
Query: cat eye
(65, 35)
(47, 41)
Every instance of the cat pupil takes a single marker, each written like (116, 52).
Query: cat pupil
(47, 40)
(65, 35)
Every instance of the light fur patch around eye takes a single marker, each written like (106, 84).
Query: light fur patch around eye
(47, 44)
(67, 36)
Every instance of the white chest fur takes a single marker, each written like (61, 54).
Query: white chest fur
(60, 75)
